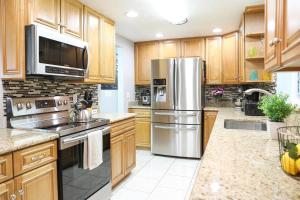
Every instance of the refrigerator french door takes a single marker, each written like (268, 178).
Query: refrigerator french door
(176, 107)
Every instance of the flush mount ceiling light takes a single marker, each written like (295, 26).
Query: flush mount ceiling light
(132, 14)
(159, 35)
(217, 30)
(174, 11)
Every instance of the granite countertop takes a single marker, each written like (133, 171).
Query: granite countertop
(242, 164)
(114, 117)
(14, 139)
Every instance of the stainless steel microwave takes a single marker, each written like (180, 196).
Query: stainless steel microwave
(49, 53)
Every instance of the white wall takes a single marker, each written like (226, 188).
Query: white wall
(126, 91)
(287, 83)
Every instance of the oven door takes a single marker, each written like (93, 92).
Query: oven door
(75, 182)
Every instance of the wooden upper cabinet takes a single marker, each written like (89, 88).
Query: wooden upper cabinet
(38, 184)
(290, 33)
(72, 18)
(7, 190)
(107, 51)
(144, 53)
(45, 12)
(169, 49)
(241, 53)
(272, 50)
(230, 71)
(213, 60)
(12, 39)
(194, 47)
(93, 37)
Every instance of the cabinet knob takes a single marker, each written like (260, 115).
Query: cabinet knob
(13, 197)
(275, 41)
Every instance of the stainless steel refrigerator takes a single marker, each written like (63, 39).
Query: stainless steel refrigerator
(177, 101)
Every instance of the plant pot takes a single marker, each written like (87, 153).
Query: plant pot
(272, 128)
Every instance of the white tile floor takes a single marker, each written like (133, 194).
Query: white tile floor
(158, 178)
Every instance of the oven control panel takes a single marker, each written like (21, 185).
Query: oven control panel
(29, 106)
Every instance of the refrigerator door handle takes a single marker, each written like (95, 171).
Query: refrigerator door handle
(175, 128)
(174, 114)
(165, 127)
(176, 63)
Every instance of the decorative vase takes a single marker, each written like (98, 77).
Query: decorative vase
(218, 100)
(272, 128)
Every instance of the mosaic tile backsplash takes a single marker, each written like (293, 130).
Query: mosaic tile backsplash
(231, 92)
(41, 87)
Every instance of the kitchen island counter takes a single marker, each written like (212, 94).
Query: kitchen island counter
(242, 164)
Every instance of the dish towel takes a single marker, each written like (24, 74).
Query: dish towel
(93, 148)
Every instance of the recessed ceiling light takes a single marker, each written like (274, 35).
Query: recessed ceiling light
(159, 35)
(217, 30)
(132, 14)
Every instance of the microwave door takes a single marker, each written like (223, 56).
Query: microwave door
(188, 84)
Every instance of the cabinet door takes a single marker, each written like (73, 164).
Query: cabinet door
(107, 51)
(193, 47)
(144, 53)
(169, 49)
(290, 33)
(7, 190)
(117, 159)
(6, 167)
(230, 59)
(272, 54)
(12, 39)
(38, 184)
(209, 120)
(72, 18)
(213, 60)
(92, 36)
(45, 12)
(143, 132)
(129, 151)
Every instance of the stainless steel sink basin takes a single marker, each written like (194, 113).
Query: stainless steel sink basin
(245, 124)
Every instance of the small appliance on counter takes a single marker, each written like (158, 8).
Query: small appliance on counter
(251, 101)
(146, 98)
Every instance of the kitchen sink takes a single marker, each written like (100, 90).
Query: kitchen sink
(245, 124)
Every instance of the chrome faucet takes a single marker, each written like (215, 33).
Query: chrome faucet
(250, 91)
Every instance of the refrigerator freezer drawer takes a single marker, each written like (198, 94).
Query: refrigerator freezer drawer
(176, 140)
(179, 117)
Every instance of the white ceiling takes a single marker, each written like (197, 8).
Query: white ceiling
(203, 16)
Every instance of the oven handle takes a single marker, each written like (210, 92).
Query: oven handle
(82, 137)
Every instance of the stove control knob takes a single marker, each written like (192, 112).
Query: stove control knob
(28, 105)
(65, 102)
(59, 103)
(19, 106)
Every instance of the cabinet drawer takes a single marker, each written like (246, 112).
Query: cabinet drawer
(141, 112)
(6, 169)
(33, 157)
(122, 126)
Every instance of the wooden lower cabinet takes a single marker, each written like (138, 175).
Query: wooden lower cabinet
(38, 184)
(143, 127)
(117, 158)
(7, 190)
(129, 151)
(209, 121)
(123, 150)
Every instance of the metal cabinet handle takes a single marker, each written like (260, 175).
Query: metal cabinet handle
(39, 157)
(13, 197)
(275, 41)
(21, 192)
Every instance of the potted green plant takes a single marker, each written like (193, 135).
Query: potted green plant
(276, 108)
